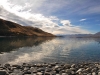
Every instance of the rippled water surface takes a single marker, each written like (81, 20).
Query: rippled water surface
(32, 50)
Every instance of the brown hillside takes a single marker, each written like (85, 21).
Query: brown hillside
(8, 28)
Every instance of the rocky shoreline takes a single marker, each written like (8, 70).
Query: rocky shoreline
(51, 69)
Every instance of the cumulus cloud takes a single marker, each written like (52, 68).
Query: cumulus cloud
(68, 28)
(66, 22)
(83, 19)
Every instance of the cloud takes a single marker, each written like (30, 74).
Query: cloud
(68, 28)
(83, 19)
(53, 18)
(66, 22)
(23, 14)
(45, 23)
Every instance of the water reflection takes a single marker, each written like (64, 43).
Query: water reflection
(20, 50)
(8, 44)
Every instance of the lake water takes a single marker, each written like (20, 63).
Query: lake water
(37, 50)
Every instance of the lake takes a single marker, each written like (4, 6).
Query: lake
(15, 50)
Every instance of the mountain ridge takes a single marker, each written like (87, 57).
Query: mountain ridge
(8, 28)
(96, 35)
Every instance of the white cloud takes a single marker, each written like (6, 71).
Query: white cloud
(53, 18)
(20, 14)
(66, 22)
(83, 19)
(68, 28)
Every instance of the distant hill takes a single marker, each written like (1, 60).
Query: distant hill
(8, 28)
(97, 34)
(79, 35)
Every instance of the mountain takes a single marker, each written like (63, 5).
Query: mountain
(8, 28)
(78, 35)
(97, 34)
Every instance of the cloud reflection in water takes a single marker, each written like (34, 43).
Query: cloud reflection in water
(57, 49)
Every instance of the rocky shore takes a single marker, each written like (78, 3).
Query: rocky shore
(51, 69)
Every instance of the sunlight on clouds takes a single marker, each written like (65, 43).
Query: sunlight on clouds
(47, 23)
(66, 22)
(68, 28)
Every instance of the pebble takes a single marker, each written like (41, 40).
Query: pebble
(51, 69)
(3, 72)
(79, 70)
(39, 73)
(73, 65)
(98, 73)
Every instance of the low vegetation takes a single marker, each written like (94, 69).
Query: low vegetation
(8, 28)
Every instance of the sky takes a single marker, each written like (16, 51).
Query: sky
(59, 17)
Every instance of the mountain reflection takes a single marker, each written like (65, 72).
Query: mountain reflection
(32, 50)
(8, 44)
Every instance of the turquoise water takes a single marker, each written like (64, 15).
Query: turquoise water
(37, 50)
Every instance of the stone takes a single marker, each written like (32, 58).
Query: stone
(68, 71)
(79, 70)
(13, 74)
(80, 73)
(53, 72)
(62, 71)
(98, 73)
(56, 66)
(53, 64)
(39, 65)
(16, 71)
(64, 74)
(26, 68)
(1, 68)
(67, 66)
(73, 69)
(7, 65)
(45, 64)
(27, 72)
(48, 70)
(89, 74)
(93, 73)
(84, 73)
(3, 72)
(34, 71)
(88, 69)
(57, 74)
(72, 72)
(98, 66)
(34, 74)
(40, 69)
(39, 73)
(47, 73)
(17, 66)
(73, 66)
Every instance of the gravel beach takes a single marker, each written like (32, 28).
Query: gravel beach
(51, 69)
